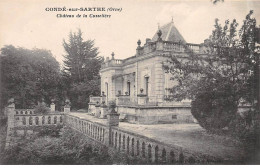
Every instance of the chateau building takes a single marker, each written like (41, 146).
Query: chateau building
(138, 84)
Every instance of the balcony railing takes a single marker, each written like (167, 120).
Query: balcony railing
(126, 100)
(112, 63)
(95, 99)
(132, 101)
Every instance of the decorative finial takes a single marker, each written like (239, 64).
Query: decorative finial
(113, 54)
(159, 33)
(139, 43)
(172, 19)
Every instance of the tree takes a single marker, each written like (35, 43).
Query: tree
(28, 75)
(81, 69)
(220, 78)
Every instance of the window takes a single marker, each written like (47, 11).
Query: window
(146, 85)
(129, 88)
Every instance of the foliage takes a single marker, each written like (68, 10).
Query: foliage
(229, 63)
(214, 108)
(81, 69)
(3, 129)
(247, 128)
(80, 92)
(41, 109)
(28, 76)
(51, 131)
(70, 148)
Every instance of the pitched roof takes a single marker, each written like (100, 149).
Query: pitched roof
(169, 33)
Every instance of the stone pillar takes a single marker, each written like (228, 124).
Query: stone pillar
(103, 97)
(159, 81)
(141, 98)
(112, 116)
(52, 107)
(97, 111)
(10, 122)
(67, 106)
(103, 110)
(159, 42)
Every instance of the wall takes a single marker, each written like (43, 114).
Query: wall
(135, 145)
(22, 122)
(95, 131)
(155, 115)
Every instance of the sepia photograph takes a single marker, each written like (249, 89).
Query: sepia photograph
(130, 82)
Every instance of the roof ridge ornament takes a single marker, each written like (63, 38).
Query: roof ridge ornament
(139, 43)
(159, 33)
(113, 54)
(172, 19)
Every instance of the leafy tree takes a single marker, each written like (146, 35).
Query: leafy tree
(81, 69)
(221, 77)
(28, 76)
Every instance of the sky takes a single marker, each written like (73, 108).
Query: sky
(27, 23)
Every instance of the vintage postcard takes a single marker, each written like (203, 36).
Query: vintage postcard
(129, 82)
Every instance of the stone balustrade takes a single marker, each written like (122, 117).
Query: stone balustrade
(95, 131)
(125, 100)
(112, 62)
(133, 144)
(24, 111)
(151, 150)
(38, 119)
(166, 46)
(95, 99)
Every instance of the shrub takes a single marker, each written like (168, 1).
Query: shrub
(246, 127)
(70, 148)
(52, 131)
(214, 109)
(41, 109)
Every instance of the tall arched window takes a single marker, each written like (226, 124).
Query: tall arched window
(146, 85)
(129, 88)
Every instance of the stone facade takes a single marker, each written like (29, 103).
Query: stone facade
(140, 80)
